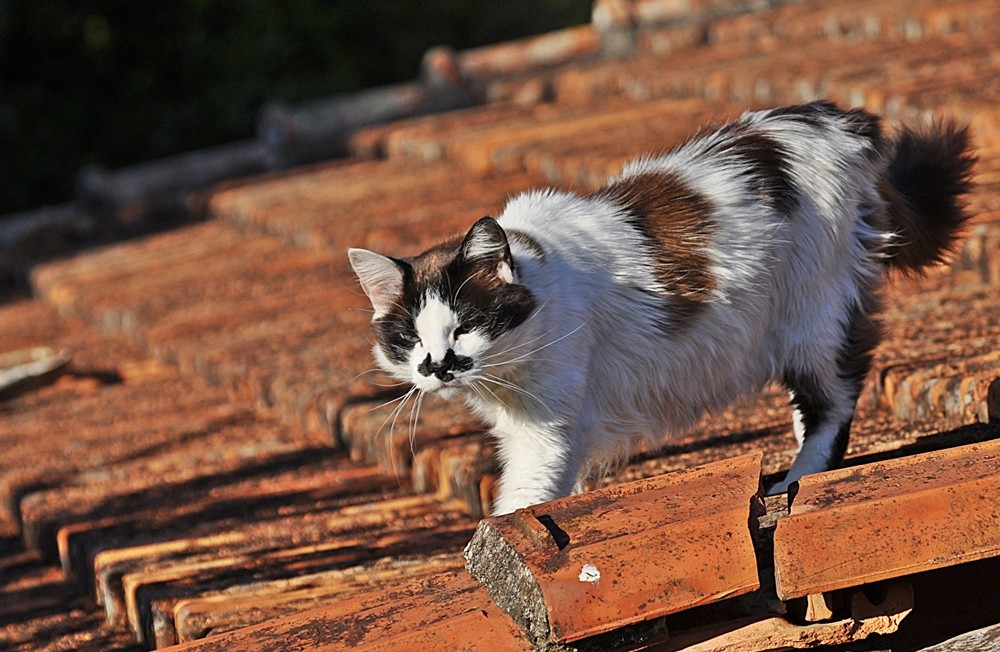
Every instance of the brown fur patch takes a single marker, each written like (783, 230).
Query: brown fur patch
(677, 221)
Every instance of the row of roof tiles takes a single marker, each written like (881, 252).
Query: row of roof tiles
(34, 505)
(596, 566)
(160, 534)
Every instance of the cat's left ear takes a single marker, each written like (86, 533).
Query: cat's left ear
(381, 278)
(486, 242)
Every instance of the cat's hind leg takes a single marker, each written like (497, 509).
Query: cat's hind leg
(825, 393)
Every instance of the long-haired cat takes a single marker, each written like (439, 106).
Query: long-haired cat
(575, 324)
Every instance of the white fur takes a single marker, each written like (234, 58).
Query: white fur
(785, 284)
(594, 367)
(380, 278)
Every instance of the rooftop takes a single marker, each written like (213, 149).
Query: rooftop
(198, 450)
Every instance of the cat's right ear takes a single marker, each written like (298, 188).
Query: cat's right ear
(487, 242)
(381, 278)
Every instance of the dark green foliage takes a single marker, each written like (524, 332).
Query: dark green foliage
(115, 82)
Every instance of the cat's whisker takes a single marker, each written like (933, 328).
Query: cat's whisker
(474, 384)
(517, 346)
(523, 344)
(506, 384)
(377, 370)
(392, 427)
(483, 385)
(414, 420)
(532, 352)
(515, 388)
(390, 402)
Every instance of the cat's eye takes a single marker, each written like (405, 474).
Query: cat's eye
(409, 339)
(460, 330)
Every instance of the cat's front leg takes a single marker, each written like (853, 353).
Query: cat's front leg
(539, 462)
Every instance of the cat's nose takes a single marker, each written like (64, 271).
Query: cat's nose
(442, 369)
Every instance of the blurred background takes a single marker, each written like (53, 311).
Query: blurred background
(115, 82)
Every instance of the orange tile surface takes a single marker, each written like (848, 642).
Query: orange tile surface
(213, 457)
(581, 566)
(447, 612)
(859, 525)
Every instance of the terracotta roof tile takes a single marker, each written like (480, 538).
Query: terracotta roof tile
(86, 518)
(852, 20)
(192, 507)
(520, 142)
(127, 578)
(919, 513)
(578, 567)
(320, 207)
(446, 611)
(514, 57)
(774, 72)
(253, 602)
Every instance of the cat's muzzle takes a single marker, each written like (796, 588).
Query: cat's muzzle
(442, 369)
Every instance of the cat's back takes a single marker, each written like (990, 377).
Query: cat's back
(725, 213)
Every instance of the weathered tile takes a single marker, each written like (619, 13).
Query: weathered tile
(256, 602)
(950, 390)
(883, 520)
(585, 565)
(41, 613)
(782, 633)
(390, 431)
(447, 611)
(130, 579)
(92, 516)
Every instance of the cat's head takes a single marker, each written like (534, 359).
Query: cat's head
(437, 315)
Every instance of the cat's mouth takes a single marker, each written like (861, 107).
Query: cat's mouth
(447, 387)
(448, 391)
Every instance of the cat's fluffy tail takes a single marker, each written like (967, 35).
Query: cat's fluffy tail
(929, 171)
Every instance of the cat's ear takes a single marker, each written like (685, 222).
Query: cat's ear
(381, 278)
(486, 242)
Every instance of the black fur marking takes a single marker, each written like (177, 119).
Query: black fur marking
(395, 330)
(867, 126)
(864, 332)
(854, 360)
(929, 171)
(840, 442)
(442, 370)
(808, 398)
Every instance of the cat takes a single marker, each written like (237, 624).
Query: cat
(575, 324)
